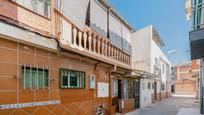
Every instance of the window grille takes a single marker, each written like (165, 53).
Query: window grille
(72, 79)
(34, 78)
(114, 87)
(149, 86)
(162, 86)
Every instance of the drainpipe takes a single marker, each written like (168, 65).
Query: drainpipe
(166, 89)
(110, 88)
(201, 85)
(160, 89)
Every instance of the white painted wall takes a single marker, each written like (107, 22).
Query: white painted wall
(146, 47)
(146, 94)
(156, 52)
(141, 49)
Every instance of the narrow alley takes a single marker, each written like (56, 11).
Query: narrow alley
(170, 106)
(101, 57)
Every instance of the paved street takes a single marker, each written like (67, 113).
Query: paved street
(170, 106)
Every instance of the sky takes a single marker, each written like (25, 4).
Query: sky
(167, 16)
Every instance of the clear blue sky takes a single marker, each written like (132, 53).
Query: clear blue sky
(167, 16)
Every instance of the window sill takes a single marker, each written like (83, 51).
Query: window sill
(37, 90)
(70, 88)
(114, 96)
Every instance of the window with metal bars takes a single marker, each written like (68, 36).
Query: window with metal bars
(72, 78)
(162, 86)
(41, 7)
(114, 87)
(35, 78)
(149, 85)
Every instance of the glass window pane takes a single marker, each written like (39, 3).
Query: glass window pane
(41, 7)
(40, 79)
(73, 81)
(27, 4)
(27, 78)
(34, 85)
(46, 78)
(65, 81)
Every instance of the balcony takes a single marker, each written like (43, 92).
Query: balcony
(90, 43)
(196, 43)
(196, 36)
(19, 13)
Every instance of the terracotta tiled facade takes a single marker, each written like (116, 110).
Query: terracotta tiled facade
(73, 101)
(99, 58)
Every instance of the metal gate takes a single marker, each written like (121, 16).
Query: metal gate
(137, 92)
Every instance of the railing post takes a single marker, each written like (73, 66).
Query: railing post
(115, 53)
(94, 43)
(99, 44)
(109, 49)
(122, 57)
(119, 56)
(90, 39)
(112, 52)
(105, 48)
(80, 37)
(74, 36)
(85, 39)
(102, 45)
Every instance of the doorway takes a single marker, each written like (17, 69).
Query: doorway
(137, 93)
(119, 95)
(155, 91)
(172, 89)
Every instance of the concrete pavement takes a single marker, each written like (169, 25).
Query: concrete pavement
(170, 106)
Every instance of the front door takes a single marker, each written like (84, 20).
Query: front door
(137, 92)
(155, 90)
(119, 94)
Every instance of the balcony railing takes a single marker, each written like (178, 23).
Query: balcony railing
(93, 44)
(96, 44)
(197, 14)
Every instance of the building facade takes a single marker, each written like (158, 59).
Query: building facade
(196, 38)
(148, 56)
(61, 57)
(186, 79)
